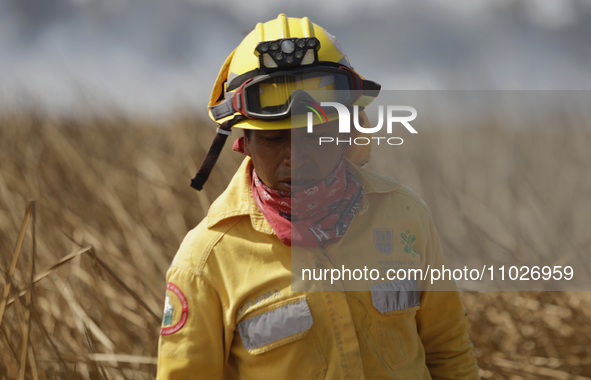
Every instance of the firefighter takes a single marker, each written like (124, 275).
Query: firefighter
(235, 307)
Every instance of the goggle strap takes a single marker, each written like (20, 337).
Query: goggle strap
(225, 108)
(240, 79)
(214, 153)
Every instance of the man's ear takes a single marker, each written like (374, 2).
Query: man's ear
(247, 142)
(344, 136)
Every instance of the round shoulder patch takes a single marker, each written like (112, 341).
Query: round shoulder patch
(176, 310)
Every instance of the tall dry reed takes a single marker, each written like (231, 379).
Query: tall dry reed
(112, 204)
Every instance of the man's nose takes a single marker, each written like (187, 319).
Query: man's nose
(297, 155)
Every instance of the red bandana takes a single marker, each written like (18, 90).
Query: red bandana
(314, 217)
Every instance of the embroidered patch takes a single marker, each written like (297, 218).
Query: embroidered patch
(408, 241)
(382, 240)
(176, 310)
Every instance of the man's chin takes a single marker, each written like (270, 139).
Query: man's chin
(301, 186)
(284, 186)
(293, 186)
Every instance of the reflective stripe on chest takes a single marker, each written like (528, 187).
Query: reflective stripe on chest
(274, 325)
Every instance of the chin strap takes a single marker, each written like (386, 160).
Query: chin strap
(223, 131)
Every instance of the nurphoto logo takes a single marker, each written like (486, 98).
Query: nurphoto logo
(392, 116)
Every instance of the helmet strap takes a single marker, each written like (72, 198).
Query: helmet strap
(213, 154)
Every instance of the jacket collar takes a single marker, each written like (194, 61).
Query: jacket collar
(237, 199)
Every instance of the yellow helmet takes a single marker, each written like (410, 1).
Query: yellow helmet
(280, 48)
(276, 64)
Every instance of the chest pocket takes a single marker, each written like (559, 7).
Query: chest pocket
(280, 339)
(396, 303)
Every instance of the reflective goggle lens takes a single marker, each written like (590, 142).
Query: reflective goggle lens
(273, 95)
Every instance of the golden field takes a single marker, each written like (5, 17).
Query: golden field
(113, 193)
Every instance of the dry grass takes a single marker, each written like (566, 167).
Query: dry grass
(497, 192)
(112, 203)
(121, 187)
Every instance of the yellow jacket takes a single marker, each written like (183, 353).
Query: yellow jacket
(231, 312)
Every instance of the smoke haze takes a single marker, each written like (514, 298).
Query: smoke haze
(155, 57)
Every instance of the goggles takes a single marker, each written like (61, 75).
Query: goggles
(272, 96)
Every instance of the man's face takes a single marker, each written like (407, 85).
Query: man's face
(293, 160)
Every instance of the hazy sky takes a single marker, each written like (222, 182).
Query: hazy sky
(153, 56)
